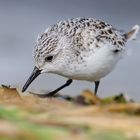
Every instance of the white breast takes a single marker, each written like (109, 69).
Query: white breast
(96, 66)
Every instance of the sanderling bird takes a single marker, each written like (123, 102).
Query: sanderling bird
(79, 49)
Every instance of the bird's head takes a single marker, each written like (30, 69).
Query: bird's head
(48, 57)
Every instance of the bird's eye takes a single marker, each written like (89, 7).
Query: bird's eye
(49, 58)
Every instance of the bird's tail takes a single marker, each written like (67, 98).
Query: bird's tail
(131, 35)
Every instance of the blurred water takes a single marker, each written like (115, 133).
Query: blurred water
(22, 21)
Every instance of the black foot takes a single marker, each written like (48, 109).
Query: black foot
(96, 86)
(54, 93)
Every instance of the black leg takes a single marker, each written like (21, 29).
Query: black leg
(52, 93)
(96, 86)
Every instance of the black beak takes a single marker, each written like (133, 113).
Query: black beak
(34, 74)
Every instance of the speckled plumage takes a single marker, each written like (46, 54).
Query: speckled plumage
(78, 30)
(81, 48)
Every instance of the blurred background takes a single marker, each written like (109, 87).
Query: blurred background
(22, 21)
